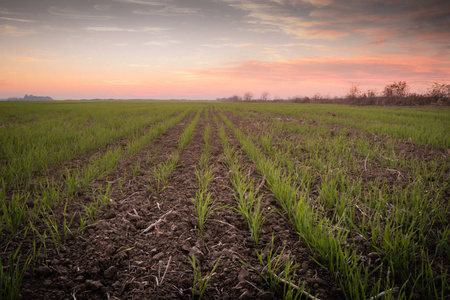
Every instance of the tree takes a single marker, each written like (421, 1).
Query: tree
(248, 96)
(371, 93)
(439, 91)
(265, 96)
(396, 90)
(354, 91)
(317, 96)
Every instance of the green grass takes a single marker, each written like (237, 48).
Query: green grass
(326, 165)
(399, 237)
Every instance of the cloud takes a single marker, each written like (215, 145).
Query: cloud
(316, 3)
(232, 45)
(75, 14)
(306, 45)
(410, 21)
(122, 29)
(8, 30)
(138, 65)
(323, 34)
(102, 7)
(122, 82)
(382, 21)
(377, 35)
(375, 70)
(26, 59)
(167, 10)
(4, 82)
(162, 43)
(17, 20)
(247, 45)
(138, 2)
(22, 59)
(161, 8)
(288, 19)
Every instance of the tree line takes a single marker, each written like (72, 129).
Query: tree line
(397, 93)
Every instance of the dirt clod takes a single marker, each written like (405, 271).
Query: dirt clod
(94, 284)
(110, 272)
(43, 271)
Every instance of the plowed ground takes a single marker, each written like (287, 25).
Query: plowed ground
(115, 259)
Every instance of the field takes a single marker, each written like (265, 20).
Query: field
(178, 200)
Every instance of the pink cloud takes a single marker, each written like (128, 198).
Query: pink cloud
(377, 35)
(333, 72)
(4, 82)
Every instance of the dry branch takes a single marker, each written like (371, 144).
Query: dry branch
(365, 162)
(295, 287)
(124, 200)
(261, 184)
(222, 222)
(361, 210)
(398, 172)
(382, 294)
(159, 270)
(157, 222)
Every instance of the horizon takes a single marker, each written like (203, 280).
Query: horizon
(204, 50)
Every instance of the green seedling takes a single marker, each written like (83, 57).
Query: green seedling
(11, 275)
(204, 207)
(136, 169)
(204, 177)
(200, 283)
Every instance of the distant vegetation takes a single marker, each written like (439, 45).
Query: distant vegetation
(31, 98)
(397, 93)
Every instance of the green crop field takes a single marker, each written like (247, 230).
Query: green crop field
(190, 200)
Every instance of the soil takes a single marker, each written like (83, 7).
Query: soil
(116, 259)
(400, 178)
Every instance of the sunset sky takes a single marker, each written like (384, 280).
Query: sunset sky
(205, 49)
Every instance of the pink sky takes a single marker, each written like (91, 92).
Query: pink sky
(209, 49)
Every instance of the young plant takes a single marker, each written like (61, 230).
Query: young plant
(186, 136)
(83, 225)
(67, 225)
(73, 182)
(204, 160)
(136, 169)
(42, 237)
(161, 173)
(256, 219)
(11, 275)
(54, 232)
(278, 273)
(14, 212)
(49, 192)
(204, 176)
(92, 209)
(204, 207)
(104, 197)
(120, 181)
(200, 282)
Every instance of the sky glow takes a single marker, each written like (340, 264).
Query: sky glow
(205, 49)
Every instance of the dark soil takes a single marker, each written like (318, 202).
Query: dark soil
(373, 172)
(115, 259)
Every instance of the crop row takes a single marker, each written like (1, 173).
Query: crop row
(28, 149)
(398, 243)
(425, 126)
(376, 216)
(410, 217)
(19, 219)
(276, 269)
